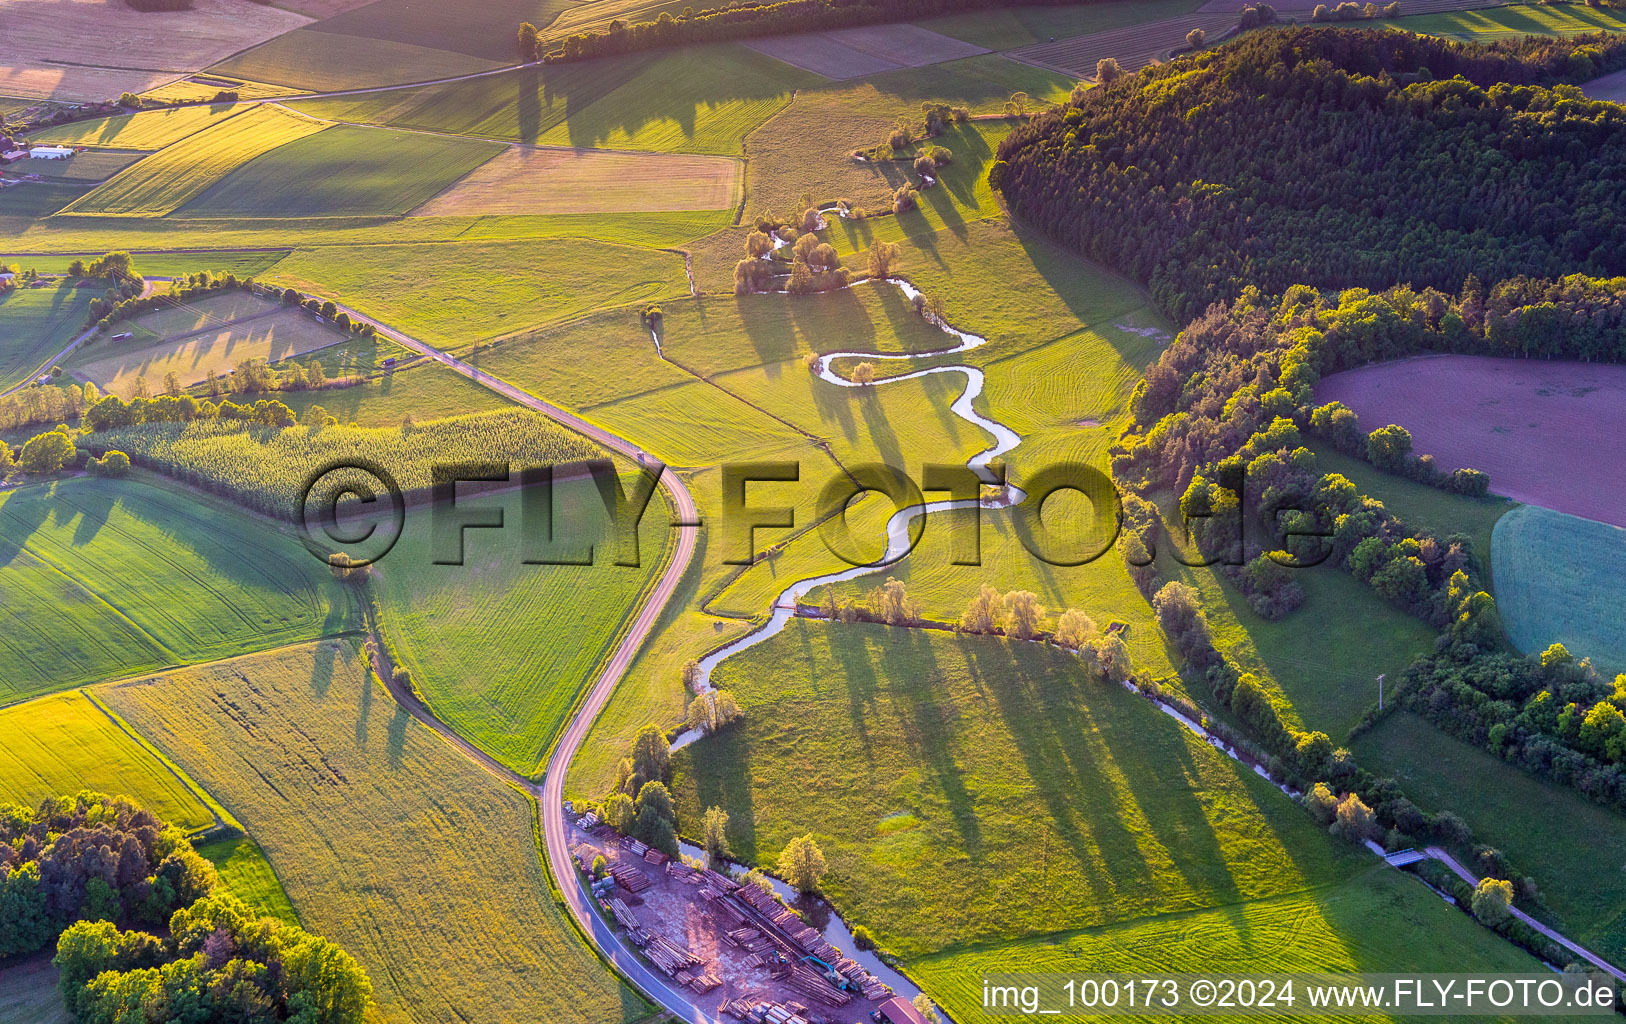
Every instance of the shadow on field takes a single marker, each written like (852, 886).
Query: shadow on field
(24, 510)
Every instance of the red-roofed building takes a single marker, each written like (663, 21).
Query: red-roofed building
(898, 1010)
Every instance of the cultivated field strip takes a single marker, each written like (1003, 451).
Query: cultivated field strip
(1133, 48)
(535, 181)
(149, 129)
(388, 840)
(69, 50)
(61, 744)
(161, 183)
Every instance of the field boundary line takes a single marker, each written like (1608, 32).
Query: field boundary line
(110, 606)
(222, 817)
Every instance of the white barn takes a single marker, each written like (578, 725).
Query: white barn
(50, 152)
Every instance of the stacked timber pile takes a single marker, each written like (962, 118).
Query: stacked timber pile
(629, 878)
(669, 956)
(704, 983)
(623, 914)
(739, 1009)
(656, 857)
(810, 983)
(721, 882)
(782, 1015)
(734, 915)
(684, 873)
(638, 849)
(749, 939)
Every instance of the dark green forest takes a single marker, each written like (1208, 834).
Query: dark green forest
(1335, 158)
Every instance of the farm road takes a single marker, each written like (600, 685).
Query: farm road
(1580, 951)
(550, 794)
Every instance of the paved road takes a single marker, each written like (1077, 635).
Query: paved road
(550, 793)
(67, 351)
(1580, 951)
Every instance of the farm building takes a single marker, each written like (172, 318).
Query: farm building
(51, 152)
(900, 1011)
(13, 155)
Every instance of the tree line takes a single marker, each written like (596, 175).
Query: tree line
(1311, 155)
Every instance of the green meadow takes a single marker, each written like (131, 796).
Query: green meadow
(454, 295)
(37, 323)
(243, 870)
(1574, 849)
(695, 100)
(1377, 920)
(957, 776)
(500, 649)
(1515, 21)
(122, 576)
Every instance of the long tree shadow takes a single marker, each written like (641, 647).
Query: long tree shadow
(928, 719)
(1048, 721)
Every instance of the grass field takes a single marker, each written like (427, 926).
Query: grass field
(55, 633)
(149, 129)
(958, 776)
(387, 840)
(309, 59)
(184, 317)
(1376, 921)
(64, 743)
(91, 166)
(1575, 850)
(806, 148)
(424, 392)
(499, 649)
(243, 870)
(168, 179)
(164, 577)
(169, 264)
(346, 170)
(1557, 580)
(1420, 505)
(554, 181)
(694, 100)
(455, 295)
(1004, 28)
(485, 31)
(200, 88)
(175, 237)
(35, 324)
(276, 336)
(22, 204)
(1515, 21)
(29, 993)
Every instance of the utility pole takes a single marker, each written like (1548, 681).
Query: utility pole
(1380, 693)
